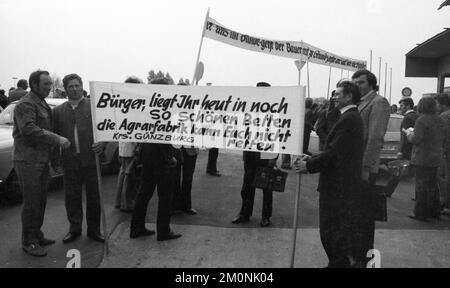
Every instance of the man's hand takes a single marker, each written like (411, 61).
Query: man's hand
(271, 163)
(64, 142)
(97, 148)
(300, 165)
(58, 169)
(173, 162)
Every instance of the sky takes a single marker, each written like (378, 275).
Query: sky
(110, 40)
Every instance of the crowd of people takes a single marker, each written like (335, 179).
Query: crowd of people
(351, 128)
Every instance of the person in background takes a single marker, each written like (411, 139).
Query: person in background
(185, 169)
(73, 120)
(211, 167)
(33, 145)
(394, 109)
(3, 99)
(443, 105)
(252, 160)
(409, 120)
(375, 112)
(158, 171)
(427, 139)
(327, 118)
(128, 152)
(18, 93)
(340, 181)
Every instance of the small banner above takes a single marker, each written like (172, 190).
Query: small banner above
(265, 119)
(287, 49)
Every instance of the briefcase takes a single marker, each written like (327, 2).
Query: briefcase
(379, 204)
(270, 179)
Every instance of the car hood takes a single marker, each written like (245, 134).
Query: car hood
(6, 138)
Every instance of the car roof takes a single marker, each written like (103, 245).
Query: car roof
(50, 101)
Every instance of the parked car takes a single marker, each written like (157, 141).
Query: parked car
(9, 186)
(391, 145)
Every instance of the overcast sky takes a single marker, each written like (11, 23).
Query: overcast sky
(109, 40)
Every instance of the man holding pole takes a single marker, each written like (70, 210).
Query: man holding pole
(340, 179)
(73, 120)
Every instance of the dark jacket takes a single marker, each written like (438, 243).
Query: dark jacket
(445, 116)
(428, 139)
(64, 119)
(341, 162)
(157, 156)
(408, 122)
(16, 94)
(32, 133)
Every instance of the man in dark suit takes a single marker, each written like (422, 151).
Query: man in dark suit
(405, 148)
(73, 120)
(251, 161)
(340, 180)
(158, 172)
(183, 181)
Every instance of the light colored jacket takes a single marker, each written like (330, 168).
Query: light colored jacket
(375, 112)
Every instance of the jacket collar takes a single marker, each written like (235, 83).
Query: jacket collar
(38, 100)
(367, 101)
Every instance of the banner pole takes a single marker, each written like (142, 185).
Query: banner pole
(307, 74)
(200, 46)
(370, 60)
(102, 206)
(298, 186)
(329, 83)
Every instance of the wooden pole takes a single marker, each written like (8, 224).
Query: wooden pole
(371, 60)
(299, 183)
(329, 83)
(102, 206)
(200, 47)
(307, 70)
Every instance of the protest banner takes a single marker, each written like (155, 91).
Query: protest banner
(288, 49)
(264, 119)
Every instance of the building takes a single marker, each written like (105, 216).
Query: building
(431, 59)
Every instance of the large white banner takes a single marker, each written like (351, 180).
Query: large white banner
(287, 49)
(266, 119)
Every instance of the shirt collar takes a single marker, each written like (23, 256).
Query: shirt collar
(409, 111)
(367, 95)
(74, 104)
(346, 108)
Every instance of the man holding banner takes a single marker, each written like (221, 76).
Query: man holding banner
(73, 120)
(340, 180)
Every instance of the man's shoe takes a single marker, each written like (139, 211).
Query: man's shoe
(240, 219)
(265, 222)
(97, 236)
(216, 173)
(169, 236)
(70, 237)
(191, 211)
(46, 242)
(136, 233)
(35, 250)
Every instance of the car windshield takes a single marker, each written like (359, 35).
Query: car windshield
(394, 124)
(6, 117)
